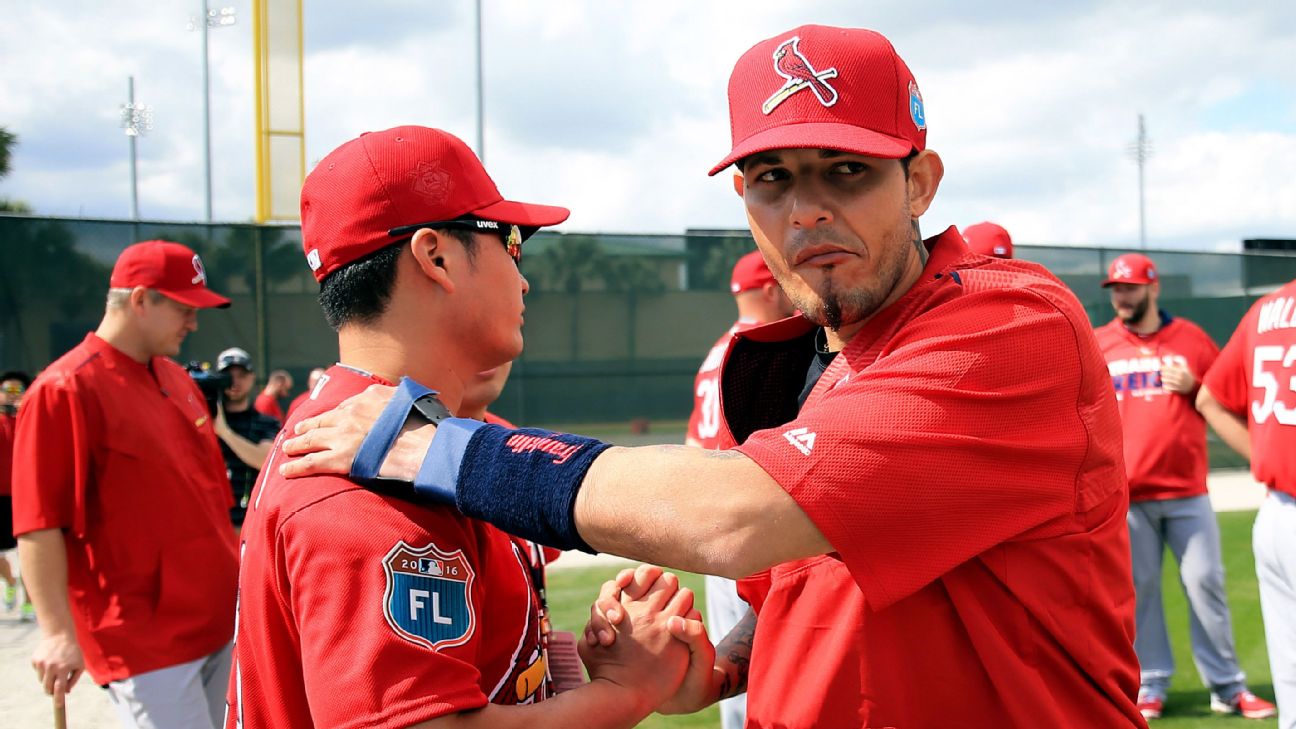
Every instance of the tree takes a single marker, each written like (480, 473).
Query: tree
(9, 140)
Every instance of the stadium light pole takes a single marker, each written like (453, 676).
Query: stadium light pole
(136, 119)
(1141, 151)
(481, 123)
(204, 23)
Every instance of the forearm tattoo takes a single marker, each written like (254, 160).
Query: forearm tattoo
(733, 656)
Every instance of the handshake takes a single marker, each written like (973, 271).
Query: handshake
(645, 636)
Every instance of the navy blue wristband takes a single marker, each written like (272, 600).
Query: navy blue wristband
(523, 481)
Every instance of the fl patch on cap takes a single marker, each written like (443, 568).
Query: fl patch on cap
(819, 87)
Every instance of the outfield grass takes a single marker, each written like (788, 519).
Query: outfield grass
(572, 590)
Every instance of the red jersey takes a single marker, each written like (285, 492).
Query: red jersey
(962, 455)
(268, 405)
(122, 457)
(1256, 375)
(6, 454)
(1165, 436)
(362, 610)
(704, 422)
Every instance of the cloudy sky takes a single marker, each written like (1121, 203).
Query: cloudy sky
(617, 109)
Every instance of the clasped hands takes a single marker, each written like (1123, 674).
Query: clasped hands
(644, 633)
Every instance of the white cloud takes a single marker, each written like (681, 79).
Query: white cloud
(618, 109)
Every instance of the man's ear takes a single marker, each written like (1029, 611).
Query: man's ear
(738, 184)
(430, 250)
(925, 173)
(139, 296)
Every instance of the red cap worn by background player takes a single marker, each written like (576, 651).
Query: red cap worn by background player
(1131, 268)
(171, 269)
(750, 272)
(820, 87)
(395, 178)
(989, 239)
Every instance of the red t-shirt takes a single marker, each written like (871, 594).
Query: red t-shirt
(1256, 374)
(962, 455)
(268, 405)
(6, 454)
(704, 422)
(362, 610)
(296, 402)
(125, 461)
(1165, 436)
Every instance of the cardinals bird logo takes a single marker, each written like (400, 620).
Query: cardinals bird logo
(791, 65)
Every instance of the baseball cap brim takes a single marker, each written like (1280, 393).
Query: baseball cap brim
(1131, 280)
(199, 298)
(819, 135)
(529, 217)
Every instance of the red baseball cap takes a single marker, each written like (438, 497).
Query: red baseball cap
(750, 272)
(820, 87)
(1131, 268)
(989, 239)
(169, 268)
(395, 178)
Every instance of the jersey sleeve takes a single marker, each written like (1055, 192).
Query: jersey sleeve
(359, 668)
(1227, 377)
(967, 433)
(52, 460)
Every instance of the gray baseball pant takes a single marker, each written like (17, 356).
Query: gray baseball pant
(187, 696)
(1274, 541)
(1189, 528)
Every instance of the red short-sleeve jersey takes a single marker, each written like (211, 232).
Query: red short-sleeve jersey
(962, 455)
(704, 421)
(6, 454)
(123, 458)
(1165, 436)
(1255, 375)
(268, 405)
(357, 609)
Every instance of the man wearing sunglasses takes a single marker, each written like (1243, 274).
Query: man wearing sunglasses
(360, 609)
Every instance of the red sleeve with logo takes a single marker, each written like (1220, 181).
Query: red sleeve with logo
(938, 451)
(358, 671)
(314, 643)
(1255, 377)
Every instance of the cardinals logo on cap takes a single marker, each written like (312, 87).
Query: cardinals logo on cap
(793, 66)
(200, 274)
(431, 182)
(1122, 270)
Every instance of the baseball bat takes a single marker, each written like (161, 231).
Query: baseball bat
(60, 713)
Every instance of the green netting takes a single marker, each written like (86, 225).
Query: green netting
(616, 324)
